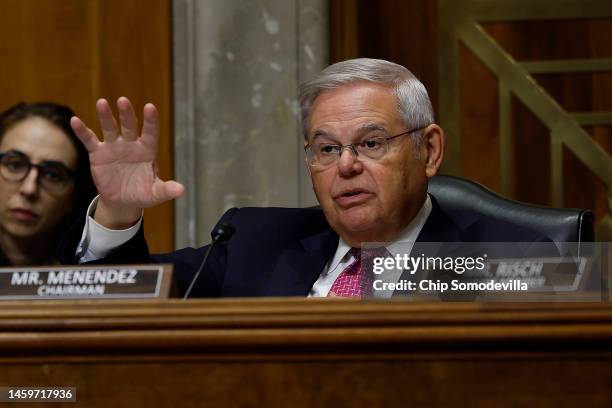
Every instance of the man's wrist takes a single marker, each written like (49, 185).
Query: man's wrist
(115, 217)
(97, 240)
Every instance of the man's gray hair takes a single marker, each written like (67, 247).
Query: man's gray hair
(413, 101)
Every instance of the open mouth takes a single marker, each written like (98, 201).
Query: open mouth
(351, 193)
(352, 197)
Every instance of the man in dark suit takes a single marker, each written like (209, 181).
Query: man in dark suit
(371, 145)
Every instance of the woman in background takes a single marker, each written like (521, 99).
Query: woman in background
(45, 182)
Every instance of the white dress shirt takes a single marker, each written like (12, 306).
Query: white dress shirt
(342, 258)
(97, 241)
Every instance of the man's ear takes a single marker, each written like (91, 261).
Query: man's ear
(433, 145)
(306, 161)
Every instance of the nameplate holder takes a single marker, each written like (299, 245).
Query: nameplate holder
(85, 282)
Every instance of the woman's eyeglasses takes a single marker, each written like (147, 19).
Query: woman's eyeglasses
(52, 176)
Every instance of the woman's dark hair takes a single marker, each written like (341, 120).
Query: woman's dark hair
(58, 115)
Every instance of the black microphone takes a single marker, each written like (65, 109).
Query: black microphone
(222, 232)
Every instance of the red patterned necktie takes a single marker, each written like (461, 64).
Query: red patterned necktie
(353, 281)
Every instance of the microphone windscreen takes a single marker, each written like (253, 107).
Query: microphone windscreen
(222, 232)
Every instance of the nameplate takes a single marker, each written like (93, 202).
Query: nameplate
(85, 282)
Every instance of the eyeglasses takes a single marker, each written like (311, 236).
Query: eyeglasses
(52, 176)
(374, 146)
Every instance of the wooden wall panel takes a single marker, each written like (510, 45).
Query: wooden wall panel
(75, 51)
(136, 61)
(479, 121)
(405, 32)
(402, 31)
(344, 31)
(45, 52)
(575, 92)
(601, 47)
(531, 156)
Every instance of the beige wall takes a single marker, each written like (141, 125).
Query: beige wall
(237, 67)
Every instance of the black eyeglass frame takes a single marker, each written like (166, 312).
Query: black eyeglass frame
(41, 167)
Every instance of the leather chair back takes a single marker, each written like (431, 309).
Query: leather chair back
(559, 224)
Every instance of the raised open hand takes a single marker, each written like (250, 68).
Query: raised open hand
(124, 165)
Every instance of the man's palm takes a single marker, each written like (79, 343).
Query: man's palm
(123, 165)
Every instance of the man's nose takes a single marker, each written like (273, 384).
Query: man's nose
(349, 163)
(29, 185)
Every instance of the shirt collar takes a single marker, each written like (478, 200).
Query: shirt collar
(402, 245)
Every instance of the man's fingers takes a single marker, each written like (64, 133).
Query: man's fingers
(167, 190)
(174, 189)
(128, 119)
(107, 121)
(150, 127)
(85, 135)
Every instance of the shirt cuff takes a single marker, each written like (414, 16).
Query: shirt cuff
(97, 241)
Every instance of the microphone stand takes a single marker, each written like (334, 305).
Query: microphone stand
(221, 233)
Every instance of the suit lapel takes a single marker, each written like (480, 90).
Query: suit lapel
(300, 265)
(439, 226)
(438, 230)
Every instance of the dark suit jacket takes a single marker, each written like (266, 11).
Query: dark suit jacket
(282, 251)
(4, 260)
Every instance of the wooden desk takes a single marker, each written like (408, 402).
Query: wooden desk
(310, 352)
